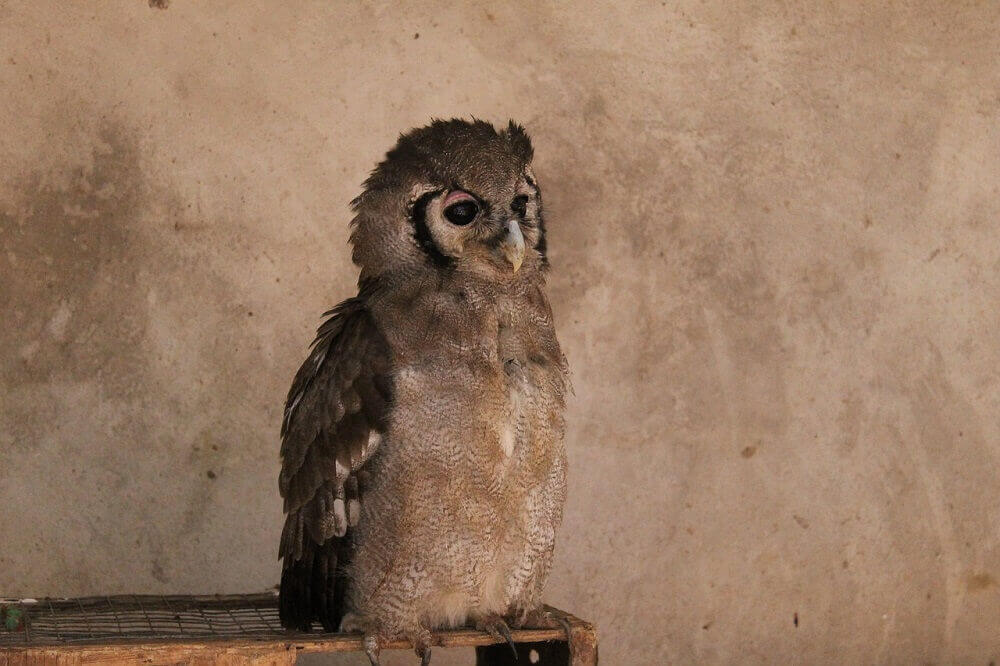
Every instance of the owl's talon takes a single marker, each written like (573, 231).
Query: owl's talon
(505, 632)
(422, 646)
(496, 627)
(564, 623)
(548, 620)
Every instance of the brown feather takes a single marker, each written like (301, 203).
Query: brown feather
(331, 410)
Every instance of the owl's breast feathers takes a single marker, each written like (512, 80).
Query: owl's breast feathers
(478, 374)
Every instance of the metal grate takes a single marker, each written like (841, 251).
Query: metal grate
(130, 617)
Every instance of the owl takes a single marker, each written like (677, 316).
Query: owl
(423, 464)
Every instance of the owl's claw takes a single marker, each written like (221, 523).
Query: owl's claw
(495, 626)
(546, 619)
(562, 622)
(422, 646)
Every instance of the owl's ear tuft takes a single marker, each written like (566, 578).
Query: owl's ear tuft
(520, 141)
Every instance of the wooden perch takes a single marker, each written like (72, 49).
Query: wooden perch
(231, 629)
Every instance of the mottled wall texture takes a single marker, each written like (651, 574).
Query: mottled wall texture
(775, 239)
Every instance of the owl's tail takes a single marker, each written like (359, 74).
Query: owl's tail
(312, 586)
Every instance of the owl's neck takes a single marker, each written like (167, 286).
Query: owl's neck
(465, 316)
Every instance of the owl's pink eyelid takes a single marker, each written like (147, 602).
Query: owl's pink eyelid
(457, 195)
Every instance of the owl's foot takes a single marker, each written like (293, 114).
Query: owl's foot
(373, 646)
(424, 652)
(354, 623)
(539, 618)
(422, 646)
(496, 627)
(542, 619)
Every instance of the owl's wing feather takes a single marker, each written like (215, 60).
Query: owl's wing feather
(335, 414)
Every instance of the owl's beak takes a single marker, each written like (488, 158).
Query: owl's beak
(512, 245)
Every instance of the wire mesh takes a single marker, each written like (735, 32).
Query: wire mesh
(111, 618)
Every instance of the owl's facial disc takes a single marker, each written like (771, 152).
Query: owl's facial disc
(458, 229)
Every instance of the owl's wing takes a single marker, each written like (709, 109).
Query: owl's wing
(335, 415)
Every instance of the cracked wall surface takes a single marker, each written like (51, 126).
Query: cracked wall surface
(775, 238)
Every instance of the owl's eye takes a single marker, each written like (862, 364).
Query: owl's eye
(520, 205)
(462, 213)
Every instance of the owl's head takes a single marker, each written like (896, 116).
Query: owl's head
(454, 196)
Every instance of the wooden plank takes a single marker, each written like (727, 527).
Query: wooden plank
(163, 654)
(298, 641)
(240, 651)
(269, 647)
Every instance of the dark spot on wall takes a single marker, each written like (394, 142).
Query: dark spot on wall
(182, 89)
(595, 107)
(748, 451)
(159, 4)
(70, 261)
(158, 573)
(210, 474)
(979, 581)
(849, 420)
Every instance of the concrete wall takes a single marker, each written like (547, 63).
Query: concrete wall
(775, 234)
